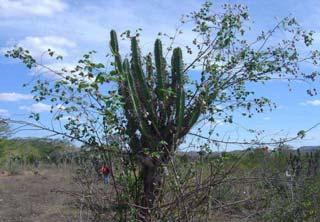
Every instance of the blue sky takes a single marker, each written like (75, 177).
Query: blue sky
(74, 27)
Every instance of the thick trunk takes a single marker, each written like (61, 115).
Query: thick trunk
(150, 175)
(149, 184)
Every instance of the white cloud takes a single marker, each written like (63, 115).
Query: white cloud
(36, 107)
(41, 107)
(39, 45)
(4, 113)
(13, 97)
(23, 8)
(92, 30)
(315, 102)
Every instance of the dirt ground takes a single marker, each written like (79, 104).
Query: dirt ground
(30, 197)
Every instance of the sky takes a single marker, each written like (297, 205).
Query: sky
(72, 28)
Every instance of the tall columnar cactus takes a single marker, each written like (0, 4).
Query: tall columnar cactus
(154, 100)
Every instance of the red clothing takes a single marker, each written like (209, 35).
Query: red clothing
(104, 170)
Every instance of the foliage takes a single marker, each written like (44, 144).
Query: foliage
(27, 150)
(263, 190)
(295, 198)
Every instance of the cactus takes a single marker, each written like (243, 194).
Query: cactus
(154, 100)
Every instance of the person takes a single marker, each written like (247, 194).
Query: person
(105, 171)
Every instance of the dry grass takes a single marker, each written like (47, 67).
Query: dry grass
(29, 197)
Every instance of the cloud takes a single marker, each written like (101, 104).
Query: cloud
(36, 107)
(24, 8)
(91, 31)
(4, 113)
(315, 102)
(266, 118)
(41, 107)
(13, 97)
(39, 45)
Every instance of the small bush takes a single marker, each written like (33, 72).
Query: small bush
(12, 167)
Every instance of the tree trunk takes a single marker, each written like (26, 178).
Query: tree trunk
(152, 175)
(151, 182)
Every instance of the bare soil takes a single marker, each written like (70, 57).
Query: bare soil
(30, 196)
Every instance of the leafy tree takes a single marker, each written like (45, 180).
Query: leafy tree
(150, 104)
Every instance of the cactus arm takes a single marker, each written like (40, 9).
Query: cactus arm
(136, 105)
(180, 116)
(144, 92)
(129, 106)
(161, 84)
(115, 50)
(159, 69)
(177, 85)
(149, 69)
(118, 66)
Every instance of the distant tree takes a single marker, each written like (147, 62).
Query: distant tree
(151, 103)
(4, 128)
